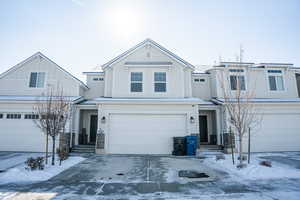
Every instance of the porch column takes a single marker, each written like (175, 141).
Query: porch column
(218, 124)
(101, 132)
(76, 125)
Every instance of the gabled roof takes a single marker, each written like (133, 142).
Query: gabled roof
(39, 54)
(148, 41)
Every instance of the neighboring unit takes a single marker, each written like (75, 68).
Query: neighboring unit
(146, 96)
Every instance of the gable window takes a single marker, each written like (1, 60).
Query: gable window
(275, 80)
(136, 84)
(13, 116)
(31, 116)
(160, 84)
(237, 82)
(98, 79)
(37, 79)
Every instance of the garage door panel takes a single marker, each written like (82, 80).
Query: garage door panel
(144, 134)
(278, 132)
(21, 135)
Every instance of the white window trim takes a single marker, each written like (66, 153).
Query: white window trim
(160, 82)
(136, 82)
(237, 74)
(275, 74)
(45, 81)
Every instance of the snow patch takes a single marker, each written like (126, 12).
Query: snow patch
(253, 170)
(20, 175)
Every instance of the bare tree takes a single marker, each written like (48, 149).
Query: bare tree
(53, 112)
(238, 104)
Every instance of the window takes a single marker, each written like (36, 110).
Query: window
(237, 82)
(31, 116)
(136, 82)
(1, 116)
(13, 116)
(98, 79)
(236, 70)
(196, 80)
(160, 84)
(275, 80)
(37, 79)
(202, 80)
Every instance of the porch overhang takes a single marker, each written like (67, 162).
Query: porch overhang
(143, 101)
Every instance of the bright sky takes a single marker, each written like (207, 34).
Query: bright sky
(81, 34)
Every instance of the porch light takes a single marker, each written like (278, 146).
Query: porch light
(103, 120)
(192, 120)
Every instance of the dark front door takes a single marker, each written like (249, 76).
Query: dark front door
(93, 128)
(203, 128)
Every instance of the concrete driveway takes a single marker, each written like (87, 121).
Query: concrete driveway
(148, 177)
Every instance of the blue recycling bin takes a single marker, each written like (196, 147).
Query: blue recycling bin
(191, 145)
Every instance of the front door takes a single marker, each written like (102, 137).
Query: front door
(93, 128)
(203, 129)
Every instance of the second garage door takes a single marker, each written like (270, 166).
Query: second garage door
(144, 134)
(278, 132)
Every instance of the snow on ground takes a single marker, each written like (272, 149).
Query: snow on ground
(253, 170)
(19, 174)
(10, 160)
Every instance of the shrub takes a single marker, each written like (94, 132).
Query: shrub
(243, 157)
(266, 163)
(220, 157)
(63, 154)
(35, 163)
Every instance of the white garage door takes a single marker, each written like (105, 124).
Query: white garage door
(20, 135)
(144, 134)
(278, 132)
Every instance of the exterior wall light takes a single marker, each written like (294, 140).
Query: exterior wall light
(192, 120)
(103, 119)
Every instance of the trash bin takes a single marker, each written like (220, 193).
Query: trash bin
(191, 145)
(179, 146)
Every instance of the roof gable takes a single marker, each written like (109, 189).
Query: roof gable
(39, 54)
(142, 44)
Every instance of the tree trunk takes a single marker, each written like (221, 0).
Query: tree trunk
(241, 149)
(47, 136)
(53, 150)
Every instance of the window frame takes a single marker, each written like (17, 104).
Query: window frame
(1, 115)
(13, 116)
(160, 82)
(275, 73)
(37, 80)
(237, 73)
(135, 81)
(31, 116)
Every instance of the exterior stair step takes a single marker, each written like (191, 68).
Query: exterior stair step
(84, 149)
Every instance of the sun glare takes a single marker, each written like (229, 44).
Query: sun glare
(124, 22)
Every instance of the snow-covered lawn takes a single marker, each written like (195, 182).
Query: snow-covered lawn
(19, 174)
(253, 170)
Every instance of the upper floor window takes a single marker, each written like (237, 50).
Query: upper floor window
(237, 82)
(1, 115)
(136, 84)
(160, 84)
(275, 80)
(98, 79)
(37, 79)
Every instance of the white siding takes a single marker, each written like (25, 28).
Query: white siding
(117, 77)
(17, 82)
(201, 90)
